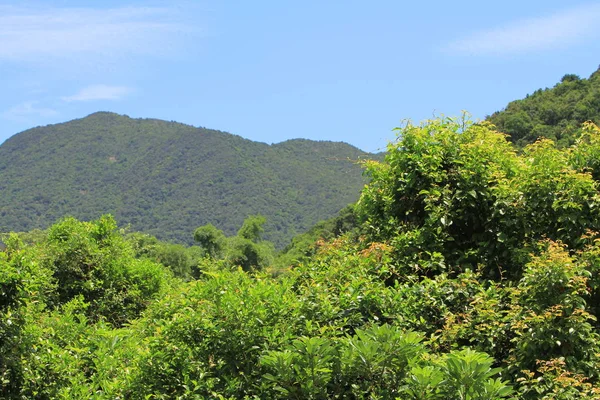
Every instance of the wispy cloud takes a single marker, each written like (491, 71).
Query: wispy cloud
(99, 92)
(27, 34)
(547, 32)
(27, 111)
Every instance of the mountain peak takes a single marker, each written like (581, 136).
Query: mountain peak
(105, 115)
(167, 178)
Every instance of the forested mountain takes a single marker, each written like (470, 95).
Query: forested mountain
(468, 269)
(167, 178)
(556, 113)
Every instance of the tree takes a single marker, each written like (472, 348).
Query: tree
(244, 253)
(94, 261)
(252, 228)
(454, 195)
(211, 239)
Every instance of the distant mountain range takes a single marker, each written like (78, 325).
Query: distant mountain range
(167, 178)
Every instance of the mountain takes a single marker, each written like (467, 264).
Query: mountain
(166, 178)
(556, 113)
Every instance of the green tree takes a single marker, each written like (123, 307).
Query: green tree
(451, 195)
(252, 228)
(247, 254)
(94, 261)
(211, 239)
(438, 195)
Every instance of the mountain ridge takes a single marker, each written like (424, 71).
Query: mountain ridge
(166, 178)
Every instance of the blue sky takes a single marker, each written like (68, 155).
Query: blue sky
(275, 70)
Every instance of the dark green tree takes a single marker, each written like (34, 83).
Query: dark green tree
(247, 249)
(211, 239)
(252, 228)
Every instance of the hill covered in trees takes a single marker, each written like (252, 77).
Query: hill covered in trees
(166, 178)
(555, 113)
(469, 269)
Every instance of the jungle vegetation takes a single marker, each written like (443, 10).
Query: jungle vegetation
(468, 269)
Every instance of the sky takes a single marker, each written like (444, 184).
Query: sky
(271, 71)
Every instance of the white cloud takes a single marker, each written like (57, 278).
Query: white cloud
(547, 32)
(27, 34)
(99, 92)
(26, 111)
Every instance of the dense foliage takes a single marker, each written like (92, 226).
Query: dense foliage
(166, 179)
(556, 113)
(467, 270)
(77, 279)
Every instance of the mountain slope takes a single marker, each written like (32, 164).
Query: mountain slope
(556, 113)
(166, 178)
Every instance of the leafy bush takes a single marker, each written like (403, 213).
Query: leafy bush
(379, 363)
(25, 285)
(92, 260)
(551, 320)
(452, 195)
(206, 337)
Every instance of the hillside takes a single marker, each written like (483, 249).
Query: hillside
(167, 178)
(555, 113)
(472, 272)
